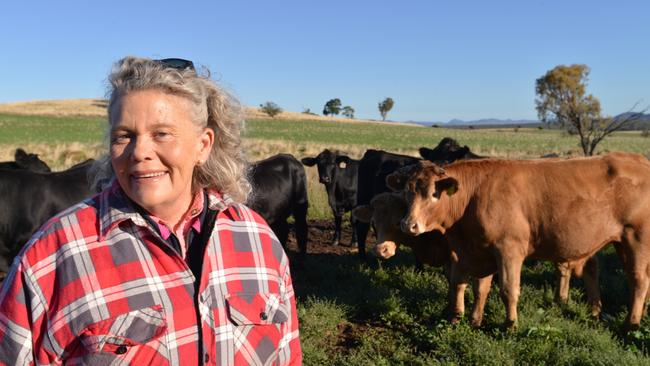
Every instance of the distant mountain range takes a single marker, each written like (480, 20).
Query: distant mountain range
(478, 122)
(641, 123)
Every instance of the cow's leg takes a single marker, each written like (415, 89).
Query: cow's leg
(300, 225)
(457, 286)
(590, 277)
(481, 288)
(353, 222)
(509, 278)
(362, 232)
(281, 230)
(337, 229)
(637, 269)
(563, 277)
(624, 255)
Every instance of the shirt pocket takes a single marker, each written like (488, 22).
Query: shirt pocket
(131, 338)
(258, 321)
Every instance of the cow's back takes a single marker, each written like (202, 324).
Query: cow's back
(31, 198)
(279, 184)
(564, 209)
(374, 166)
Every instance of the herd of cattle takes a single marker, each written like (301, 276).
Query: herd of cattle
(473, 215)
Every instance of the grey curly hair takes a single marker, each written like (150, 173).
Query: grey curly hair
(225, 168)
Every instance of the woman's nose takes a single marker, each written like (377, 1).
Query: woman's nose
(141, 149)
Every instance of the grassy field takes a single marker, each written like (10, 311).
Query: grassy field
(354, 313)
(64, 140)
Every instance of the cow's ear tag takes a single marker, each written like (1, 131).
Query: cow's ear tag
(342, 165)
(451, 190)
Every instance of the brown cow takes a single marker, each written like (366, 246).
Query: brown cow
(495, 213)
(385, 212)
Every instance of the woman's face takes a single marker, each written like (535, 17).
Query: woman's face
(155, 147)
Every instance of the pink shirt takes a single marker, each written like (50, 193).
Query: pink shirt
(190, 220)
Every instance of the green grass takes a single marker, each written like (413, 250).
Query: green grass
(498, 142)
(394, 314)
(526, 142)
(49, 130)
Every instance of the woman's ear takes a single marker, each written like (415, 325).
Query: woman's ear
(206, 141)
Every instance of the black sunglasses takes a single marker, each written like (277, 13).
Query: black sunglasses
(176, 63)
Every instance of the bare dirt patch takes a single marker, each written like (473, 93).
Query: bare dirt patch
(320, 237)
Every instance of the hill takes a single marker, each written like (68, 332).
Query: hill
(97, 108)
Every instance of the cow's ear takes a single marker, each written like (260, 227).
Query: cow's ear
(448, 185)
(363, 213)
(309, 161)
(396, 181)
(20, 154)
(424, 152)
(342, 161)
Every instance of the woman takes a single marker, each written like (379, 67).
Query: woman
(165, 265)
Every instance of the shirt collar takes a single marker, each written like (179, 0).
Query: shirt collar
(115, 207)
(192, 216)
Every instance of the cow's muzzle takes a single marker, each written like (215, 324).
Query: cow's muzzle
(385, 250)
(410, 227)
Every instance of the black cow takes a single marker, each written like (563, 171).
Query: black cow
(23, 160)
(341, 186)
(376, 165)
(447, 151)
(30, 198)
(279, 191)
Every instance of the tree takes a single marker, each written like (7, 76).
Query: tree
(385, 107)
(562, 99)
(348, 111)
(332, 107)
(271, 109)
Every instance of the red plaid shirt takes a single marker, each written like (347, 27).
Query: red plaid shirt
(96, 285)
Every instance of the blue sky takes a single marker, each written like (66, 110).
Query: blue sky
(437, 59)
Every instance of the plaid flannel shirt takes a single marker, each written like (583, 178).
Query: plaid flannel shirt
(96, 285)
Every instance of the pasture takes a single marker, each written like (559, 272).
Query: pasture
(389, 313)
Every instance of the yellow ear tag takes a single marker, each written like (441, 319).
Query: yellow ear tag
(451, 190)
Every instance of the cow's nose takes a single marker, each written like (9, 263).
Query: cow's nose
(385, 250)
(326, 179)
(409, 227)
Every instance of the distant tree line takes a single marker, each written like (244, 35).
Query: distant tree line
(333, 107)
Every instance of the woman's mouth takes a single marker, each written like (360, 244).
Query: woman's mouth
(140, 176)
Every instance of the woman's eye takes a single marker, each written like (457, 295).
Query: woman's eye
(120, 139)
(162, 134)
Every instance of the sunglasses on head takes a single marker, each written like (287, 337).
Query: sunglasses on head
(176, 63)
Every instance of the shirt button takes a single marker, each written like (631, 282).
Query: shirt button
(263, 316)
(120, 350)
(206, 357)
